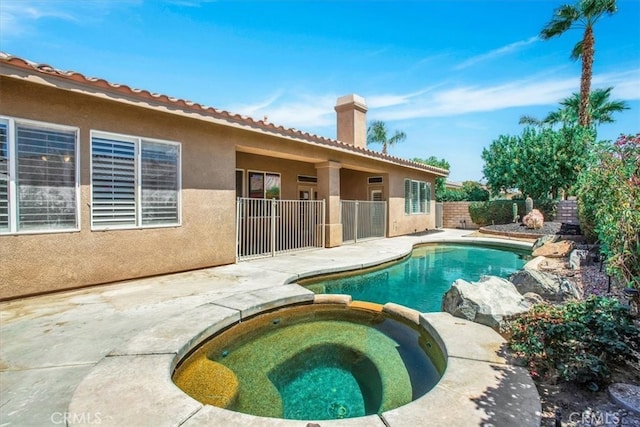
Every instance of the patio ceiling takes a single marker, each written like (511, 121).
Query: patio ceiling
(300, 156)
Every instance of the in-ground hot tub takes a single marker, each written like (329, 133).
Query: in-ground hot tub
(314, 362)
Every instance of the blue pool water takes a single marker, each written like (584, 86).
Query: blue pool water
(421, 280)
(314, 362)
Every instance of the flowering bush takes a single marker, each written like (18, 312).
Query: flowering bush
(609, 205)
(576, 342)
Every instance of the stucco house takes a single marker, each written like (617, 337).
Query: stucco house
(100, 182)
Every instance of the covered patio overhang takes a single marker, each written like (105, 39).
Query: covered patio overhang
(341, 173)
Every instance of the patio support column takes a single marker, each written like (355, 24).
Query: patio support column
(328, 174)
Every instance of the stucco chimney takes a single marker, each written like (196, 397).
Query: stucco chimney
(352, 120)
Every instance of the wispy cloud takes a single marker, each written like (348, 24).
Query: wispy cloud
(390, 100)
(504, 50)
(190, 3)
(626, 84)
(462, 100)
(295, 110)
(258, 107)
(532, 91)
(315, 112)
(20, 17)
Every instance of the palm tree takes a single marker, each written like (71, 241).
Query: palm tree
(600, 110)
(377, 134)
(583, 14)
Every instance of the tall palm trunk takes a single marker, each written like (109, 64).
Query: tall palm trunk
(588, 51)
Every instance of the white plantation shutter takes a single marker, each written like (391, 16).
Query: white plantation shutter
(4, 177)
(113, 181)
(407, 196)
(159, 183)
(45, 177)
(135, 182)
(423, 196)
(415, 197)
(428, 197)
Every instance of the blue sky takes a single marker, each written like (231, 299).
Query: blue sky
(454, 75)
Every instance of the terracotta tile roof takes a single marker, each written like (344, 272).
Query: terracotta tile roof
(262, 125)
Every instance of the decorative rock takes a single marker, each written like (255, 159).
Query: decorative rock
(548, 286)
(490, 301)
(533, 220)
(532, 298)
(626, 395)
(545, 239)
(559, 249)
(578, 258)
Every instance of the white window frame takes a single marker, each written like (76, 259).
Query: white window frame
(373, 192)
(12, 122)
(138, 141)
(311, 188)
(264, 181)
(424, 203)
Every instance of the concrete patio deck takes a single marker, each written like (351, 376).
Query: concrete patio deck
(51, 344)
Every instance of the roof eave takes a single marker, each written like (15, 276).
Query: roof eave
(77, 82)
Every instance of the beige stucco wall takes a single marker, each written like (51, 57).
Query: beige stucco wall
(354, 185)
(46, 262)
(211, 153)
(399, 222)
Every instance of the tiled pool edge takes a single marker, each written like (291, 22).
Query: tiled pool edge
(133, 386)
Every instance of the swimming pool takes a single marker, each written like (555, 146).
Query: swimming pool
(420, 280)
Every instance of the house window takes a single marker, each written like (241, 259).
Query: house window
(239, 183)
(264, 185)
(135, 182)
(417, 197)
(38, 177)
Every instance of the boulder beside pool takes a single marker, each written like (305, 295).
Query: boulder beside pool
(490, 301)
(552, 287)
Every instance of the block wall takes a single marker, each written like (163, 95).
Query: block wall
(567, 212)
(456, 215)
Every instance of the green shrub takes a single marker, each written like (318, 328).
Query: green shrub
(449, 195)
(577, 342)
(501, 211)
(496, 211)
(609, 205)
(548, 207)
(470, 191)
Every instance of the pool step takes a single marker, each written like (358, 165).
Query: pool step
(209, 382)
